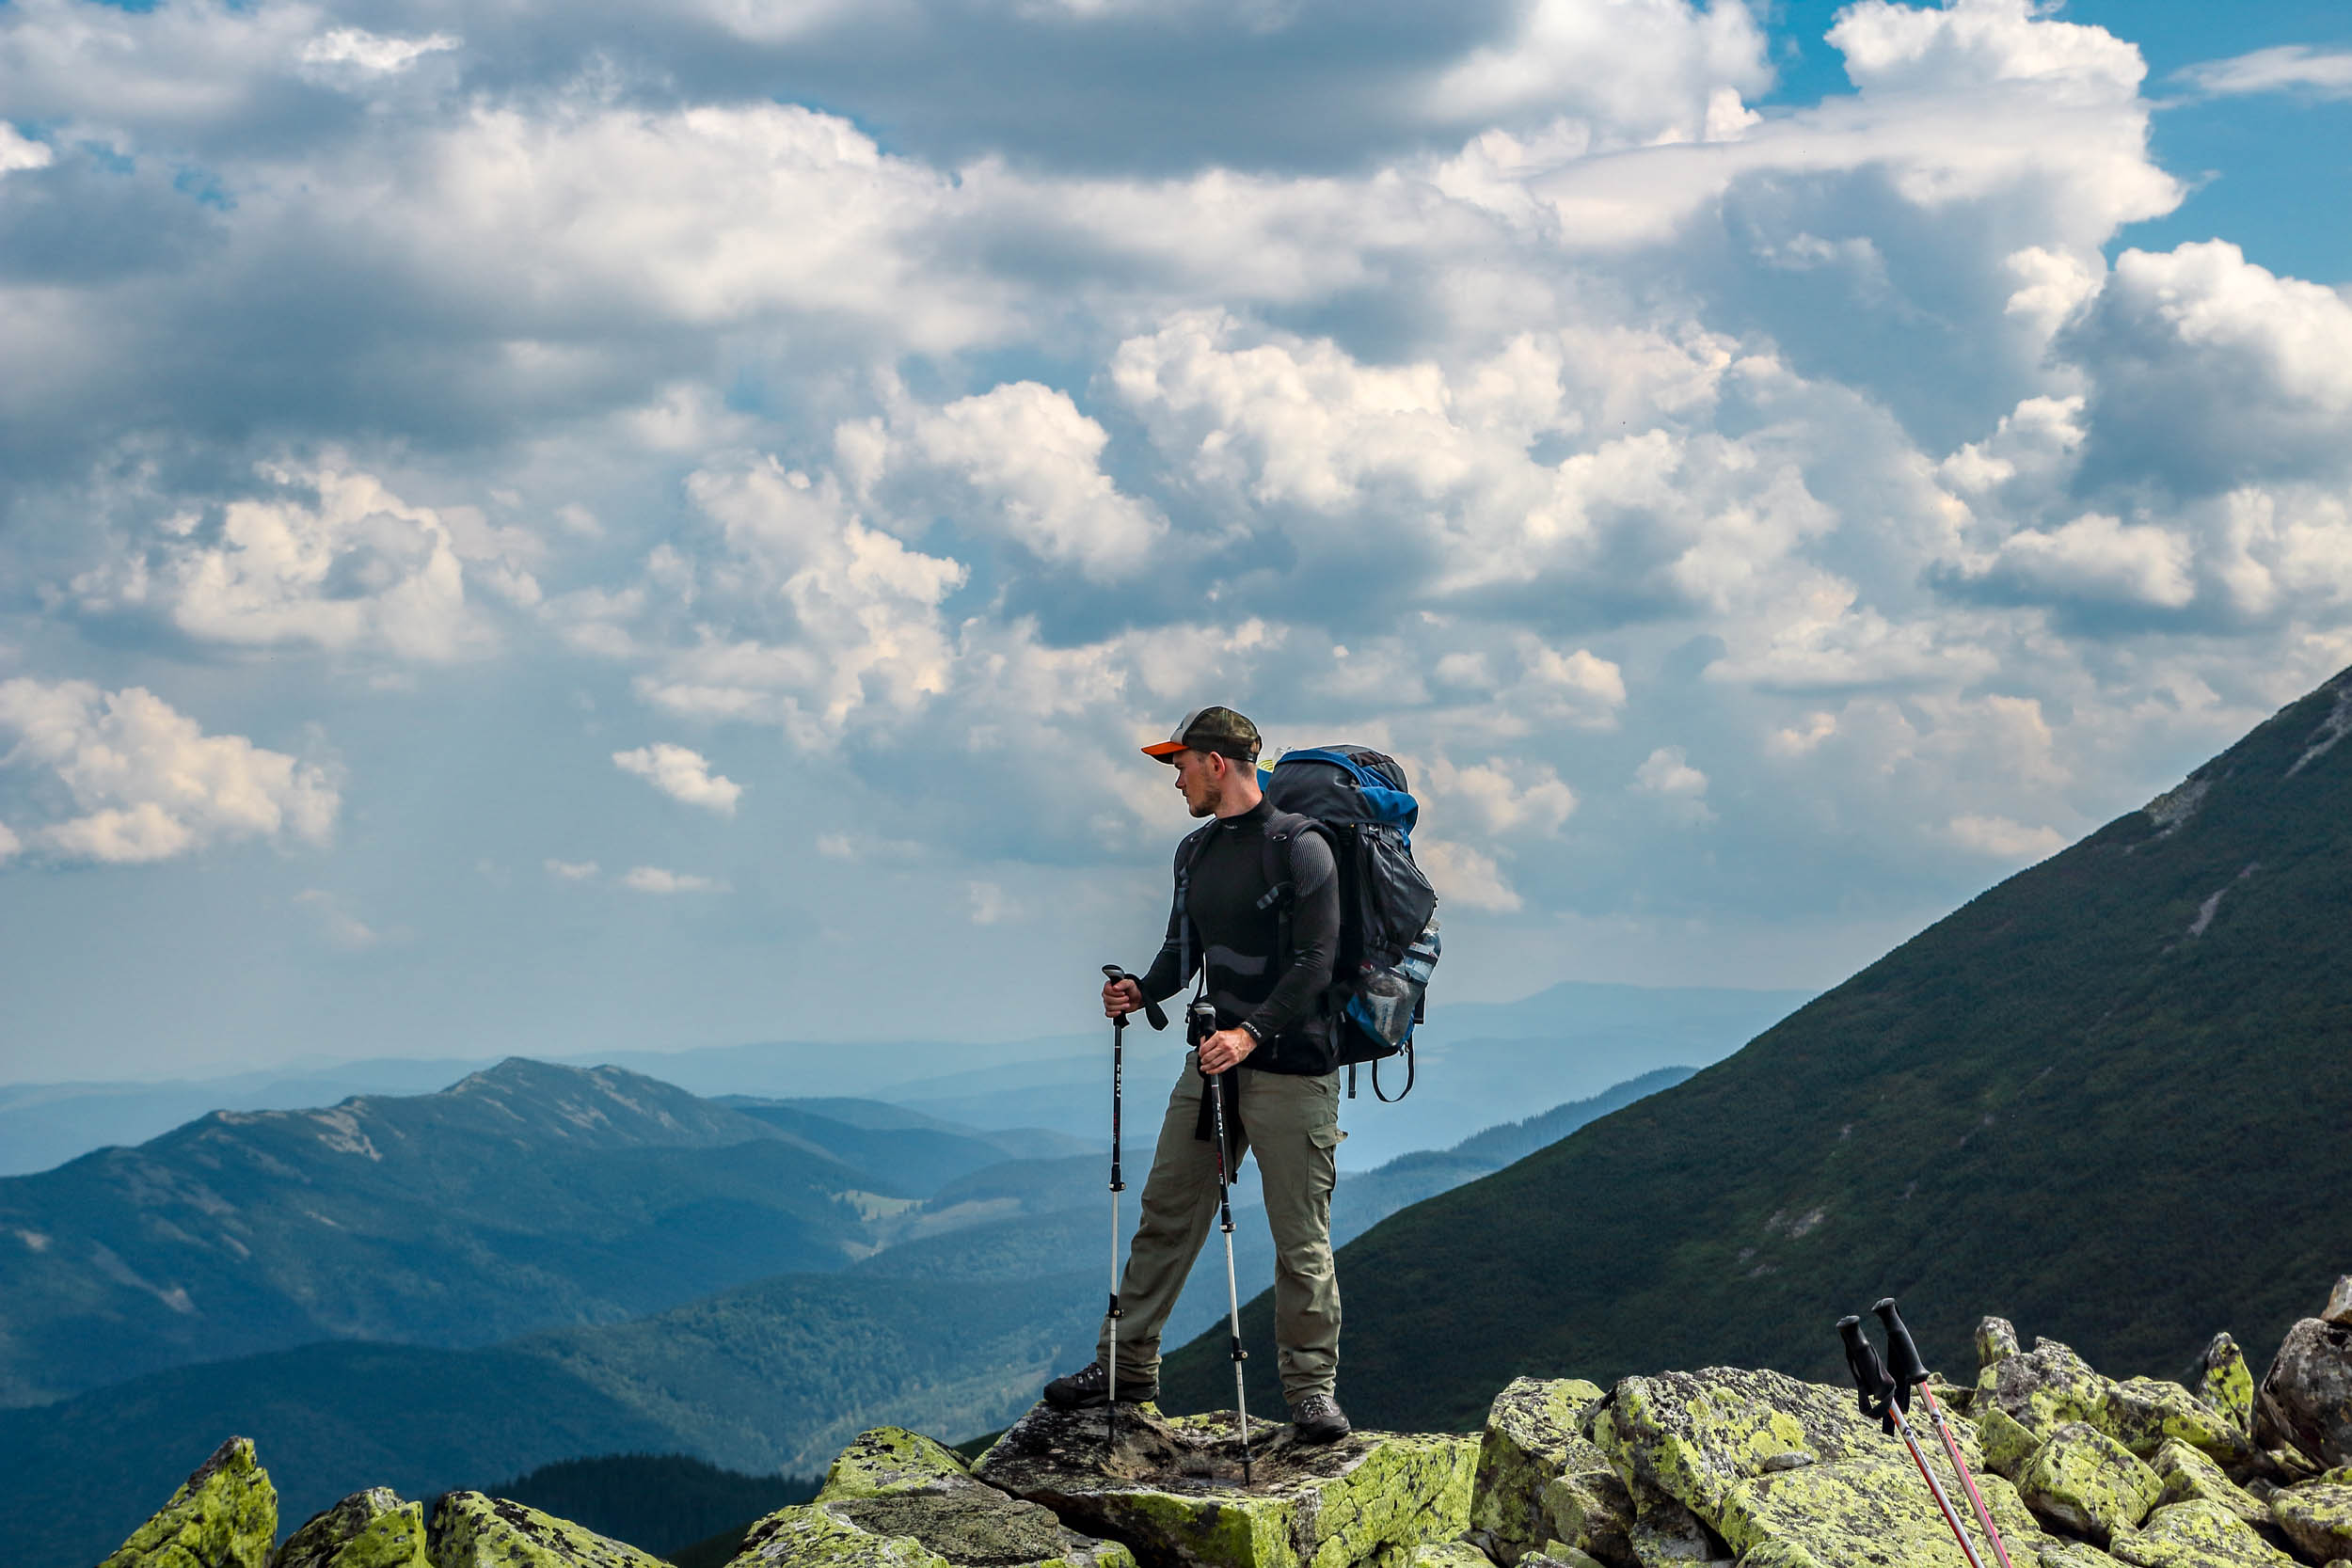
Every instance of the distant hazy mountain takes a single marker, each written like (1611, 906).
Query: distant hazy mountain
(523, 1197)
(2108, 1098)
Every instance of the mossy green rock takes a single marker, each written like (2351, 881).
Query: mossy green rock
(1996, 1342)
(2188, 1476)
(2084, 1483)
(896, 1499)
(2317, 1517)
(2043, 1390)
(2144, 1413)
(1780, 1473)
(1450, 1554)
(472, 1530)
(1172, 1490)
(2058, 1553)
(1539, 1480)
(223, 1516)
(368, 1530)
(2196, 1534)
(2224, 1382)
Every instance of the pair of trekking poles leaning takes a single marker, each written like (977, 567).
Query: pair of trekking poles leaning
(1200, 1023)
(1886, 1388)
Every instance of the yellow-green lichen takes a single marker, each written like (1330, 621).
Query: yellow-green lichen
(2190, 1477)
(886, 1460)
(2317, 1517)
(2086, 1483)
(808, 1537)
(2197, 1534)
(2224, 1383)
(1538, 1478)
(472, 1530)
(2142, 1413)
(225, 1515)
(1450, 1554)
(368, 1530)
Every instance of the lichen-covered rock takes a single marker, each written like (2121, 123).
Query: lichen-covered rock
(1539, 1480)
(2044, 1388)
(2189, 1476)
(1996, 1342)
(2084, 1483)
(2056, 1552)
(2224, 1382)
(896, 1499)
(1172, 1490)
(2196, 1534)
(1777, 1472)
(472, 1530)
(368, 1530)
(1559, 1554)
(2317, 1517)
(2144, 1413)
(223, 1516)
(2305, 1401)
(1450, 1554)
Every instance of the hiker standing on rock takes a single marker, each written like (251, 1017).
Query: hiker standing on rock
(1274, 1049)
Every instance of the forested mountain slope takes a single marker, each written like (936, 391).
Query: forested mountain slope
(2111, 1097)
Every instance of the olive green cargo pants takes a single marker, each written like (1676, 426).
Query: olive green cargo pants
(1294, 1130)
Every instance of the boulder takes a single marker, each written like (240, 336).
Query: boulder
(2144, 1413)
(2058, 1553)
(2196, 1534)
(2084, 1483)
(1557, 1555)
(1996, 1342)
(469, 1530)
(2043, 1390)
(368, 1530)
(2188, 1476)
(2339, 1307)
(2305, 1401)
(2317, 1517)
(2224, 1383)
(1173, 1491)
(223, 1516)
(1779, 1473)
(1450, 1554)
(1540, 1480)
(896, 1499)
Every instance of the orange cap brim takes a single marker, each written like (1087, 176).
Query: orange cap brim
(1164, 750)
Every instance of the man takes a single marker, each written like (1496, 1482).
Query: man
(1273, 1051)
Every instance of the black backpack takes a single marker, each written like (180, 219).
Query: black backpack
(1360, 801)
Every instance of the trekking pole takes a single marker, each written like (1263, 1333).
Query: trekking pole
(1225, 1221)
(1879, 1398)
(1904, 1366)
(1113, 973)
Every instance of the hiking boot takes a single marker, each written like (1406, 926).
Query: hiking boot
(1089, 1386)
(1318, 1418)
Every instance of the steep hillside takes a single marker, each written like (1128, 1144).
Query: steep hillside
(2110, 1095)
(521, 1197)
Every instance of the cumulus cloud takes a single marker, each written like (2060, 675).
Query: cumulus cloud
(571, 871)
(653, 878)
(1465, 875)
(138, 780)
(1667, 774)
(1999, 838)
(18, 151)
(339, 927)
(682, 775)
(373, 51)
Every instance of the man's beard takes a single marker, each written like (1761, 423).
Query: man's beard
(1211, 796)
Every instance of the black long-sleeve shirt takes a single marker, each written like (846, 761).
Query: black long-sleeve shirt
(1277, 996)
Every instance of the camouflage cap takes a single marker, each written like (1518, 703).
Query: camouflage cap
(1210, 729)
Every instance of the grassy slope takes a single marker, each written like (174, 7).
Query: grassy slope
(2055, 1104)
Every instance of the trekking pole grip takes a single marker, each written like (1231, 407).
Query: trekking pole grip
(1870, 1377)
(1153, 1012)
(1902, 1355)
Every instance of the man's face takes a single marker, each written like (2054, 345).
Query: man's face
(1200, 781)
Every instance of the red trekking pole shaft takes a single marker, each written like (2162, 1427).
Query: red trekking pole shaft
(1878, 1392)
(1906, 1365)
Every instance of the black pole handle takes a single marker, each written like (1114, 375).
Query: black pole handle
(1153, 1012)
(1871, 1381)
(1902, 1355)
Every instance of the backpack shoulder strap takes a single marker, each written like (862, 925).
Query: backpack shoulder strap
(1188, 850)
(1283, 830)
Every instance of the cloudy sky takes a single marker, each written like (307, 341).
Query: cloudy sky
(622, 524)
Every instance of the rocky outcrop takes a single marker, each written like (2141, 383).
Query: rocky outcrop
(900, 1499)
(1726, 1466)
(2305, 1402)
(1541, 1484)
(368, 1530)
(223, 1516)
(1174, 1490)
(469, 1530)
(2316, 1517)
